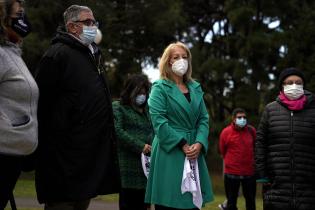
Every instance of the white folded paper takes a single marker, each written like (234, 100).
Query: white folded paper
(191, 181)
(145, 160)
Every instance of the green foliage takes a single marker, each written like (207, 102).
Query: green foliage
(32, 53)
(136, 32)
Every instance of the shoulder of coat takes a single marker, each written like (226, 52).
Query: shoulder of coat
(226, 129)
(272, 105)
(163, 83)
(194, 84)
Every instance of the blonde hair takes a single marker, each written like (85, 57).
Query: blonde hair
(164, 66)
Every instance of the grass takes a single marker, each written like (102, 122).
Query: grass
(25, 188)
(9, 208)
(218, 188)
(241, 203)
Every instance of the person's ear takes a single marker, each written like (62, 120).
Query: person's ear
(71, 28)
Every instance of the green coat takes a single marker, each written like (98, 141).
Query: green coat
(133, 130)
(174, 118)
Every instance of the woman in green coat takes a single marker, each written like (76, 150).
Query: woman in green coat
(180, 121)
(134, 133)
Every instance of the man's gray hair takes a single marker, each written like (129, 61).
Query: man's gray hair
(72, 13)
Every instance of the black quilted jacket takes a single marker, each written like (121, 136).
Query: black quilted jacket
(285, 154)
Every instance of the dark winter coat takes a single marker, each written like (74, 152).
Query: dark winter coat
(77, 155)
(285, 153)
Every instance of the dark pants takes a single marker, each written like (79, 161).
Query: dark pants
(232, 186)
(130, 199)
(77, 205)
(158, 207)
(11, 170)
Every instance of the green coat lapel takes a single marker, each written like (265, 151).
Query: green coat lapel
(196, 95)
(178, 97)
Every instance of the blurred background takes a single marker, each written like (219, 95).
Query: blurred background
(238, 46)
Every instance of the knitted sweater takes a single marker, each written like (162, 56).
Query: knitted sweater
(133, 130)
(18, 104)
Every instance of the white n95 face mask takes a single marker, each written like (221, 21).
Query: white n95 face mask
(180, 67)
(293, 91)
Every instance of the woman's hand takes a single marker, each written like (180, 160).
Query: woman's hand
(194, 151)
(186, 148)
(146, 149)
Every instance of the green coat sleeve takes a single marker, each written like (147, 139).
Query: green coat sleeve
(203, 127)
(133, 143)
(168, 138)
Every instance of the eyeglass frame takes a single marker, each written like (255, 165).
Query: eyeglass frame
(84, 22)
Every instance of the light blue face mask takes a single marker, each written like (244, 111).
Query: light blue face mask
(140, 99)
(241, 122)
(88, 34)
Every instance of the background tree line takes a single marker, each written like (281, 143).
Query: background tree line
(238, 46)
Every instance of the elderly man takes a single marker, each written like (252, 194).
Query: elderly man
(77, 155)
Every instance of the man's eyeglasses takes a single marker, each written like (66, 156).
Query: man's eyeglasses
(88, 22)
(290, 82)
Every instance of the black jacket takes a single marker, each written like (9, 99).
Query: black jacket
(77, 155)
(285, 153)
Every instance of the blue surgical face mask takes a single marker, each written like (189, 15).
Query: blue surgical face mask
(88, 34)
(241, 122)
(141, 99)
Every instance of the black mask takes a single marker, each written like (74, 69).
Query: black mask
(21, 25)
